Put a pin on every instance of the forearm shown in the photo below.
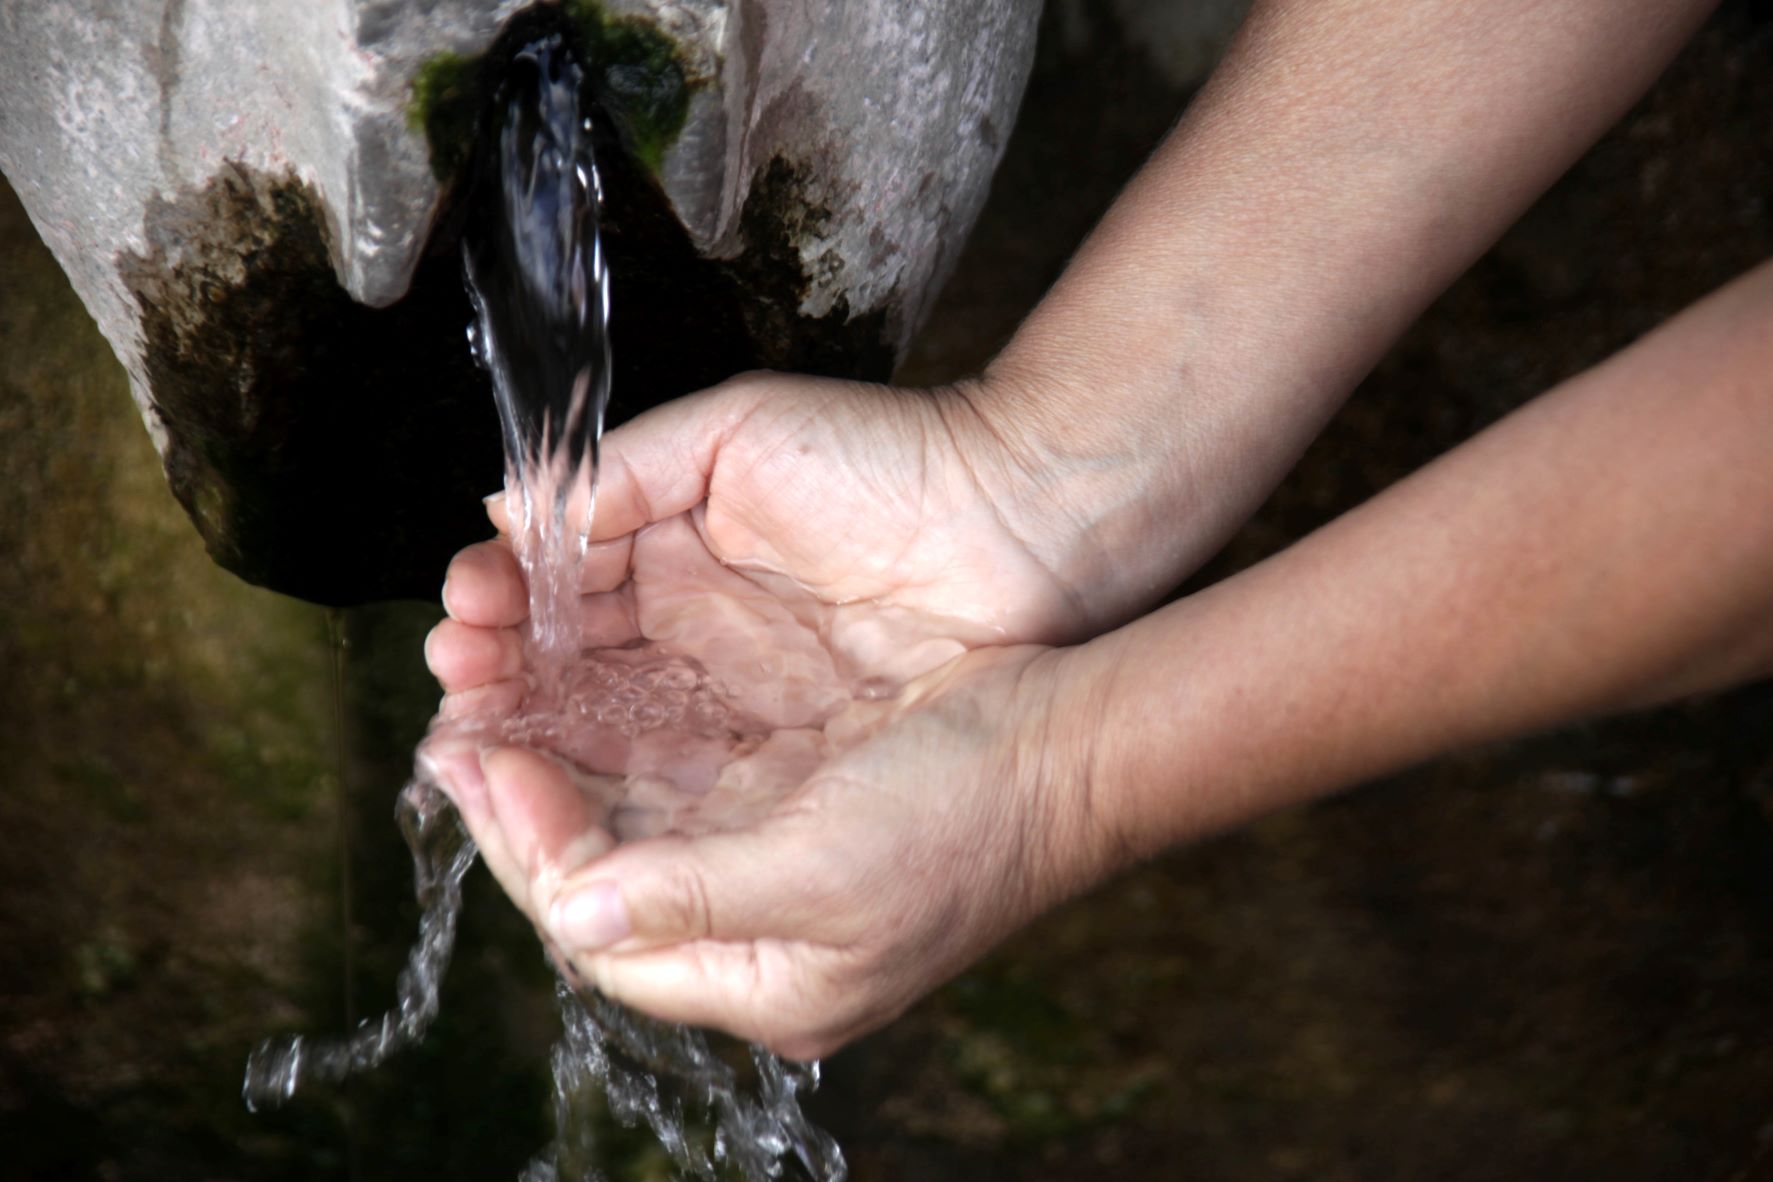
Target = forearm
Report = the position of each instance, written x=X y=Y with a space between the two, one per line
x=1345 y=163
x=1607 y=547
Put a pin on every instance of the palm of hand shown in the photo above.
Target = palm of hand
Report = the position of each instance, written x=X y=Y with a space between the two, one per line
x=704 y=694
x=841 y=557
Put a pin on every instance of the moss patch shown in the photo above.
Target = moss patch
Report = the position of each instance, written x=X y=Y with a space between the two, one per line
x=639 y=75
x=643 y=75
x=446 y=100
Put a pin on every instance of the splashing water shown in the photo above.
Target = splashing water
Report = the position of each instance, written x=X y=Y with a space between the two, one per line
x=539 y=284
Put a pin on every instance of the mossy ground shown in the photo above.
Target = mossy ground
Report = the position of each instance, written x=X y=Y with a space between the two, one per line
x=1544 y=962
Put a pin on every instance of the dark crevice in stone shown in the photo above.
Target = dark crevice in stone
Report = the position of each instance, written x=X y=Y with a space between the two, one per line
x=324 y=449
x=680 y=322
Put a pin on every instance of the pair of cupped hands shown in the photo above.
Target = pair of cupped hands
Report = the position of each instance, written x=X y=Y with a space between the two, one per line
x=898 y=860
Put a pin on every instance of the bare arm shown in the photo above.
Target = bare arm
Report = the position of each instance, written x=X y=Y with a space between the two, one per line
x=1607 y=547
x=1345 y=163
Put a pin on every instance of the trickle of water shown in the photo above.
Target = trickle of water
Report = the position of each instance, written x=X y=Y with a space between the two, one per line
x=539 y=284
x=442 y=856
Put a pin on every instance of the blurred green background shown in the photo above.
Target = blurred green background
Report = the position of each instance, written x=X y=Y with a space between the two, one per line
x=1548 y=960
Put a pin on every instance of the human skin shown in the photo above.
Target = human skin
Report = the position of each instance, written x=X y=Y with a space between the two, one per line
x=1607 y=547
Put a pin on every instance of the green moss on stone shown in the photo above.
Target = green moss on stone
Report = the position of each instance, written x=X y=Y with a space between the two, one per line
x=644 y=77
x=446 y=99
x=640 y=74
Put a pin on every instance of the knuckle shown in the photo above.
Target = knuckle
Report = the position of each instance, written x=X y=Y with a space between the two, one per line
x=752 y=380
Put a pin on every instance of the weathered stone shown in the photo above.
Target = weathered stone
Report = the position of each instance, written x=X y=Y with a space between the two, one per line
x=243 y=198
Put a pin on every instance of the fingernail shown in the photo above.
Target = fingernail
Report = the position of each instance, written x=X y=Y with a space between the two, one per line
x=443 y=596
x=489 y=498
x=592 y=918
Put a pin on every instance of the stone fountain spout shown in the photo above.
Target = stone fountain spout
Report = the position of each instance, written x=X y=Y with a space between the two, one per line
x=255 y=204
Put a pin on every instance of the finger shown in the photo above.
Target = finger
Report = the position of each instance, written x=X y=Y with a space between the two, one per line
x=783 y=996
x=499 y=513
x=484 y=587
x=495 y=700
x=607 y=564
x=548 y=824
x=605 y=567
x=455 y=766
x=658 y=464
x=499 y=509
x=464 y=658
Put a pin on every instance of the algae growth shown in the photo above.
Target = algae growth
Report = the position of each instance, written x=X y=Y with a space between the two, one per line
x=639 y=73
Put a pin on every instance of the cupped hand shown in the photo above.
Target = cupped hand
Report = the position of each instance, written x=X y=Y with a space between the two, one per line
x=891 y=867
x=874 y=840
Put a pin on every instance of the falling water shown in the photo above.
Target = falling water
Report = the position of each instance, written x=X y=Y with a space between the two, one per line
x=539 y=284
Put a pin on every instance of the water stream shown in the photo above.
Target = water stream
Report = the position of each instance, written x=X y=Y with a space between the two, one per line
x=539 y=284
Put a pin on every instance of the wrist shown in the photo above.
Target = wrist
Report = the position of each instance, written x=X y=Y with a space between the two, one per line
x=1092 y=830
x=1106 y=502
x=1199 y=718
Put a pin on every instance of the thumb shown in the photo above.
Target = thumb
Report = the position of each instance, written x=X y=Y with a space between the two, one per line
x=546 y=824
x=765 y=881
x=658 y=464
x=799 y=1000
